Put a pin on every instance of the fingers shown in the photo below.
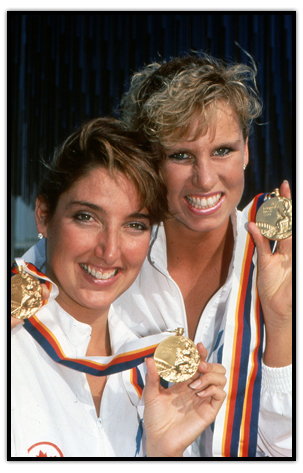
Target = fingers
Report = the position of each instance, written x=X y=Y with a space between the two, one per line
x=215 y=378
x=15 y=322
x=285 y=190
x=45 y=292
x=216 y=394
x=205 y=367
x=262 y=243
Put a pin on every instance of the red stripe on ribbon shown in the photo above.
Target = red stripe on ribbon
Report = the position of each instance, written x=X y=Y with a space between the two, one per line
x=239 y=336
x=123 y=358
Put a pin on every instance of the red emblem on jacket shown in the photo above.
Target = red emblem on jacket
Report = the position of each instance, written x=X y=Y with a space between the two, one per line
x=44 y=449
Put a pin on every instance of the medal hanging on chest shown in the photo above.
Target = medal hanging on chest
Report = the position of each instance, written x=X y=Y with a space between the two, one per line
x=177 y=358
x=26 y=294
x=274 y=217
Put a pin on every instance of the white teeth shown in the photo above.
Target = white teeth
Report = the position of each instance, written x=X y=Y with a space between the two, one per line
x=203 y=203
x=99 y=274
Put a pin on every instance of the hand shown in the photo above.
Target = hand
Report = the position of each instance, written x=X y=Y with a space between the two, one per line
x=175 y=417
x=274 y=284
x=45 y=295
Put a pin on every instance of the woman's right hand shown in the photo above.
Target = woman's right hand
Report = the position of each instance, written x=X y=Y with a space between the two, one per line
x=175 y=417
x=45 y=295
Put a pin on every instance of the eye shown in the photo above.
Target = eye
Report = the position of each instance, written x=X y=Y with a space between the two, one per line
x=222 y=152
x=181 y=156
x=139 y=226
x=83 y=217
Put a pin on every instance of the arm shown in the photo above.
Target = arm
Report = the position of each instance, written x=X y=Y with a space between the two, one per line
x=275 y=291
x=275 y=417
x=175 y=417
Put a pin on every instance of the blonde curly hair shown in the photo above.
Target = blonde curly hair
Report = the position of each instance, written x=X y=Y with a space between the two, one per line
x=164 y=97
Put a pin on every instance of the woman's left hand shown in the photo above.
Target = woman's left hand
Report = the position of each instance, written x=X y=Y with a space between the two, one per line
x=275 y=291
x=175 y=417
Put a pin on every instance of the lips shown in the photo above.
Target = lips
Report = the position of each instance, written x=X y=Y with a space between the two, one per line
x=99 y=273
x=200 y=203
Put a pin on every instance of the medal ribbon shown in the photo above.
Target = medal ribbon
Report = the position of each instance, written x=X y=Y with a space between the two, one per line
x=243 y=400
x=128 y=357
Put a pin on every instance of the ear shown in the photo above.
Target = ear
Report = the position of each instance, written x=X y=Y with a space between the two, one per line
x=41 y=216
x=246 y=152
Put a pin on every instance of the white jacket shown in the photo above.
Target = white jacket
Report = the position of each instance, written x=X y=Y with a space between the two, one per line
x=53 y=413
x=154 y=303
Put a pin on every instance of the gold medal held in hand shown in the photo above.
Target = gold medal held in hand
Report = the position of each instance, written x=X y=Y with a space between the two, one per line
x=274 y=217
x=26 y=295
x=177 y=358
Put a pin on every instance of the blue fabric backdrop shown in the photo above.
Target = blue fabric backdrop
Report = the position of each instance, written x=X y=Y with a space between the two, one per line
x=65 y=67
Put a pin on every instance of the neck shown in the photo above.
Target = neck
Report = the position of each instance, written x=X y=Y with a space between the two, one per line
x=100 y=340
x=188 y=247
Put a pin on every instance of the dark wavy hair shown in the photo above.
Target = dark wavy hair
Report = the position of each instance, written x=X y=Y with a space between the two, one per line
x=106 y=143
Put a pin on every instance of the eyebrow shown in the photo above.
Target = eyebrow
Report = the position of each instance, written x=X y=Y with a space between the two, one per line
x=97 y=208
x=178 y=148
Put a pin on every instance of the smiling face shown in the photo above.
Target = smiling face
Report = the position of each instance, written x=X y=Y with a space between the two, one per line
x=97 y=241
x=205 y=177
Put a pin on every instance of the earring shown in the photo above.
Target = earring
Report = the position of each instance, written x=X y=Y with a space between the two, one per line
x=40 y=236
x=244 y=167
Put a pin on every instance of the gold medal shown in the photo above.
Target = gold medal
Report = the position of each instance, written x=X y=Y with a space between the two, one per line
x=274 y=217
x=177 y=358
x=26 y=295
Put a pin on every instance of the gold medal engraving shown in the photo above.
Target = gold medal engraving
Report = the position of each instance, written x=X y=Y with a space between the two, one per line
x=177 y=358
x=274 y=217
x=26 y=295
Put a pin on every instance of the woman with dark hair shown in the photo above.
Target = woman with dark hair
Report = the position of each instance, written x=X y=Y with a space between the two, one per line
x=204 y=271
x=77 y=369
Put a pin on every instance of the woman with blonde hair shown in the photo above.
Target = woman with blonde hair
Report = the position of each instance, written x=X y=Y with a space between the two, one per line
x=204 y=271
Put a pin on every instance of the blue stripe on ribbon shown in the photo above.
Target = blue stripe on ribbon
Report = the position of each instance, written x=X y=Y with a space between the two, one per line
x=245 y=351
x=139 y=379
x=245 y=354
x=252 y=448
x=48 y=348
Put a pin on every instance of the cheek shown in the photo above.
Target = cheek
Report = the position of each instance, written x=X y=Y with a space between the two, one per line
x=63 y=244
x=175 y=176
x=136 y=252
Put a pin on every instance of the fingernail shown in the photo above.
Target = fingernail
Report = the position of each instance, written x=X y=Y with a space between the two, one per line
x=285 y=180
x=195 y=384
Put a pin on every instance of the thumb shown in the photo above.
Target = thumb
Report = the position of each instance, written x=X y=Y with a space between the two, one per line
x=45 y=292
x=262 y=243
x=202 y=351
x=152 y=380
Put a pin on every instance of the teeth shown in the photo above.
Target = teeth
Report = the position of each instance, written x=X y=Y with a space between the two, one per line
x=203 y=203
x=99 y=274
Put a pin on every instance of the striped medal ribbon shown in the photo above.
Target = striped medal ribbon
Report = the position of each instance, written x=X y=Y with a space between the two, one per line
x=130 y=355
x=244 y=339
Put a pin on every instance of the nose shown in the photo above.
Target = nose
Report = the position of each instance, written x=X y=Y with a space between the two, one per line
x=204 y=174
x=108 y=247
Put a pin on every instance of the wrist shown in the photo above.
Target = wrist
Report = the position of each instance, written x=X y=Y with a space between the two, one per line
x=156 y=450
x=278 y=348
